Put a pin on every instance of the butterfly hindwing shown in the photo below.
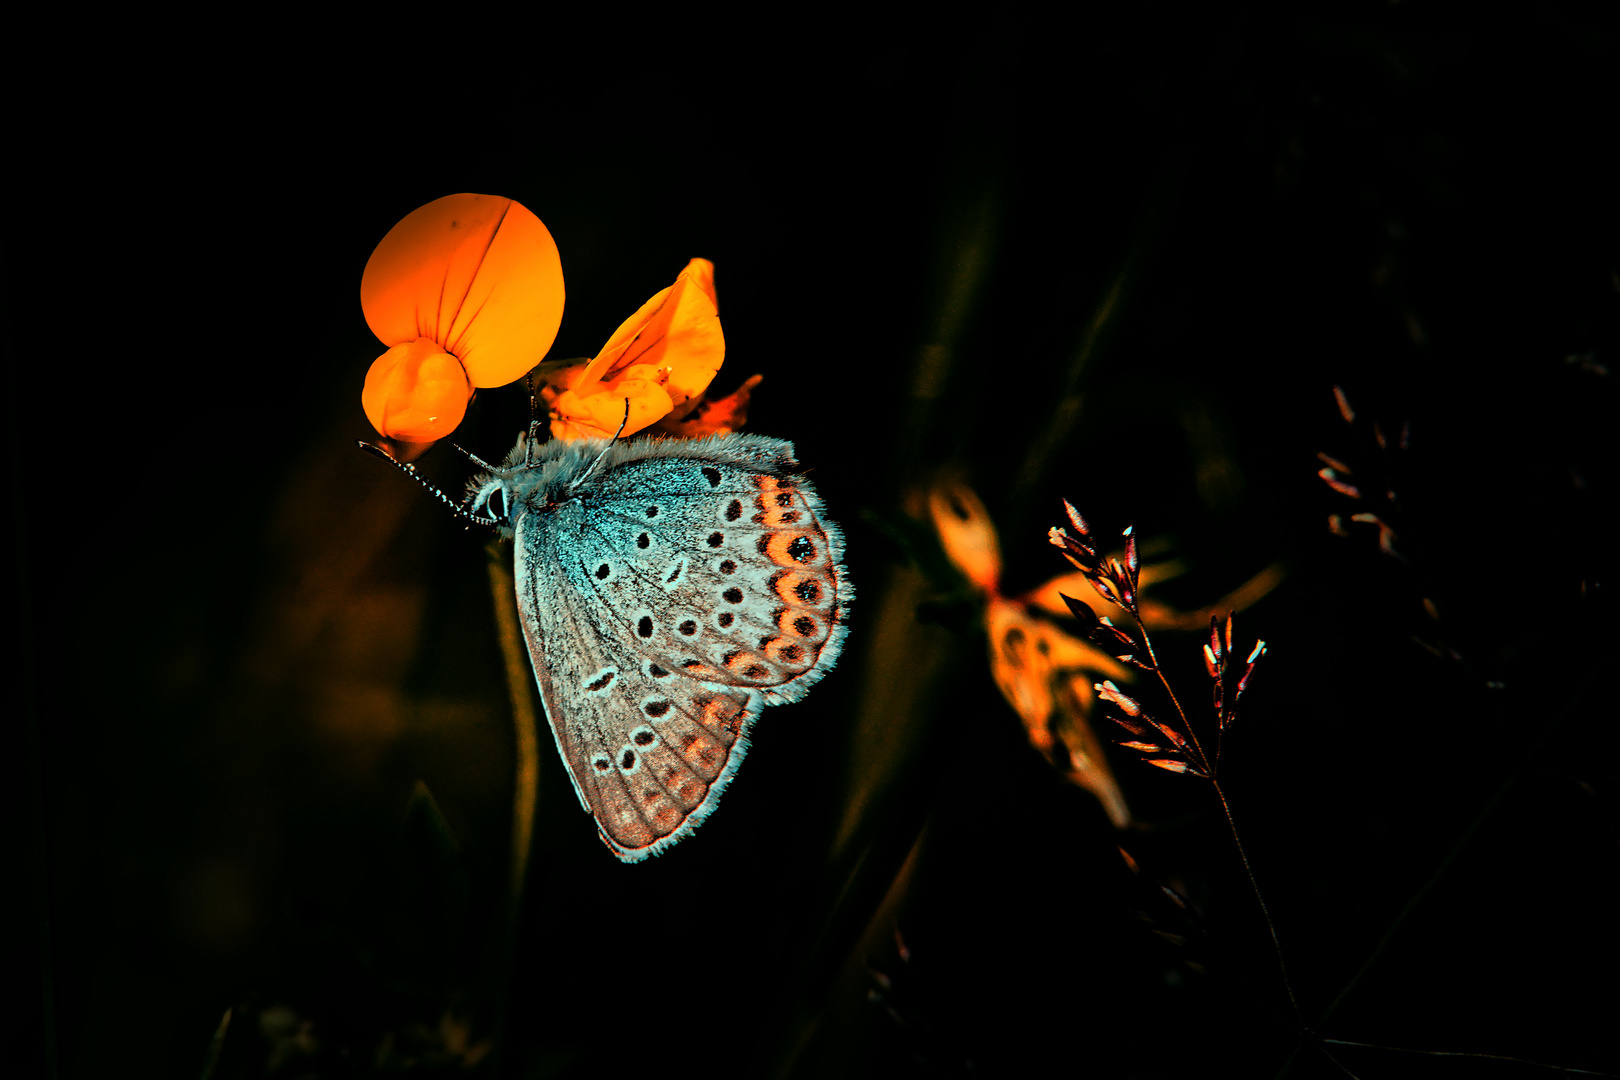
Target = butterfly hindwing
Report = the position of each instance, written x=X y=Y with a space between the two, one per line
x=647 y=749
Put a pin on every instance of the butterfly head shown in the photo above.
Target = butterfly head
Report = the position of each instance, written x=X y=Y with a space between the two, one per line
x=489 y=497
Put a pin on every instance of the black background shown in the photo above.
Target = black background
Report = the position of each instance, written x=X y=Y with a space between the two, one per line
x=244 y=642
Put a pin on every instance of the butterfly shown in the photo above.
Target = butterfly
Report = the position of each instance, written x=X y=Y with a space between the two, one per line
x=669 y=590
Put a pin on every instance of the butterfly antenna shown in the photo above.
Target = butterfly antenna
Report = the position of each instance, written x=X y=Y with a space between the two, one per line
x=534 y=422
x=410 y=471
x=586 y=475
x=468 y=454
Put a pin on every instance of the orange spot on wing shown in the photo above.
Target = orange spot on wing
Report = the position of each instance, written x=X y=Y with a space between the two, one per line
x=741 y=663
x=780 y=548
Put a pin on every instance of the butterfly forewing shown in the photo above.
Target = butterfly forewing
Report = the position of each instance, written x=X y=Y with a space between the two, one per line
x=667 y=598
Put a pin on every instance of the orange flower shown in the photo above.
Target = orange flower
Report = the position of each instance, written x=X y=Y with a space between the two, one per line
x=467 y=292
x=660 y=360
x=1045 y=674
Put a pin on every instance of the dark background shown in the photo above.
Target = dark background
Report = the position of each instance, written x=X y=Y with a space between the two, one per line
x=243 y=643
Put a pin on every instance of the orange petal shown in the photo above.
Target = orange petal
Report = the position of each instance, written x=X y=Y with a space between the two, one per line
x=679 y=328
x=415 y=392
x=478 y=274
x=1066 y=652
x=1021 y=672
x=576 y=416
x=673 y=345
x=966 y=533
x=1157 y=615
x=1033 y=663
x=720 y=416
x=1088 y=764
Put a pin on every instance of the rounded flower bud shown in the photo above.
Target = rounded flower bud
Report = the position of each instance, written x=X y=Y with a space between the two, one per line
x=415 y=392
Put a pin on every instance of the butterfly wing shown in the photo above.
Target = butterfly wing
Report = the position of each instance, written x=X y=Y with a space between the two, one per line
x=642 y=782
x=682 y=590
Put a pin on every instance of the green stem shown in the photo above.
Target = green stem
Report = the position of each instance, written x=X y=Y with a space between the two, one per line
x=526 y=785
x=215 y=1045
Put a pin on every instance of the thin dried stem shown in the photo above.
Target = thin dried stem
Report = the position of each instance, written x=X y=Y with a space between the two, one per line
x=1259 y=898
x=1186 y=725
x=1120 y=584
x=1456 y=849
x=1469 y=1054
x=1231 y=822
x=1342 y=1067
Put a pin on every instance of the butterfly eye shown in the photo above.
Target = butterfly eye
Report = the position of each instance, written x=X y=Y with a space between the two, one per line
x=490 y=501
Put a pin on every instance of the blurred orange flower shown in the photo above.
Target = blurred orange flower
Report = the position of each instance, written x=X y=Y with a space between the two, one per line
x=660 y=360
x=467 y=292
x=1046 y=674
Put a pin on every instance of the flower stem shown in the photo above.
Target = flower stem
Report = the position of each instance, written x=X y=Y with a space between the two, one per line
x=526 y=783
x=518 y=680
